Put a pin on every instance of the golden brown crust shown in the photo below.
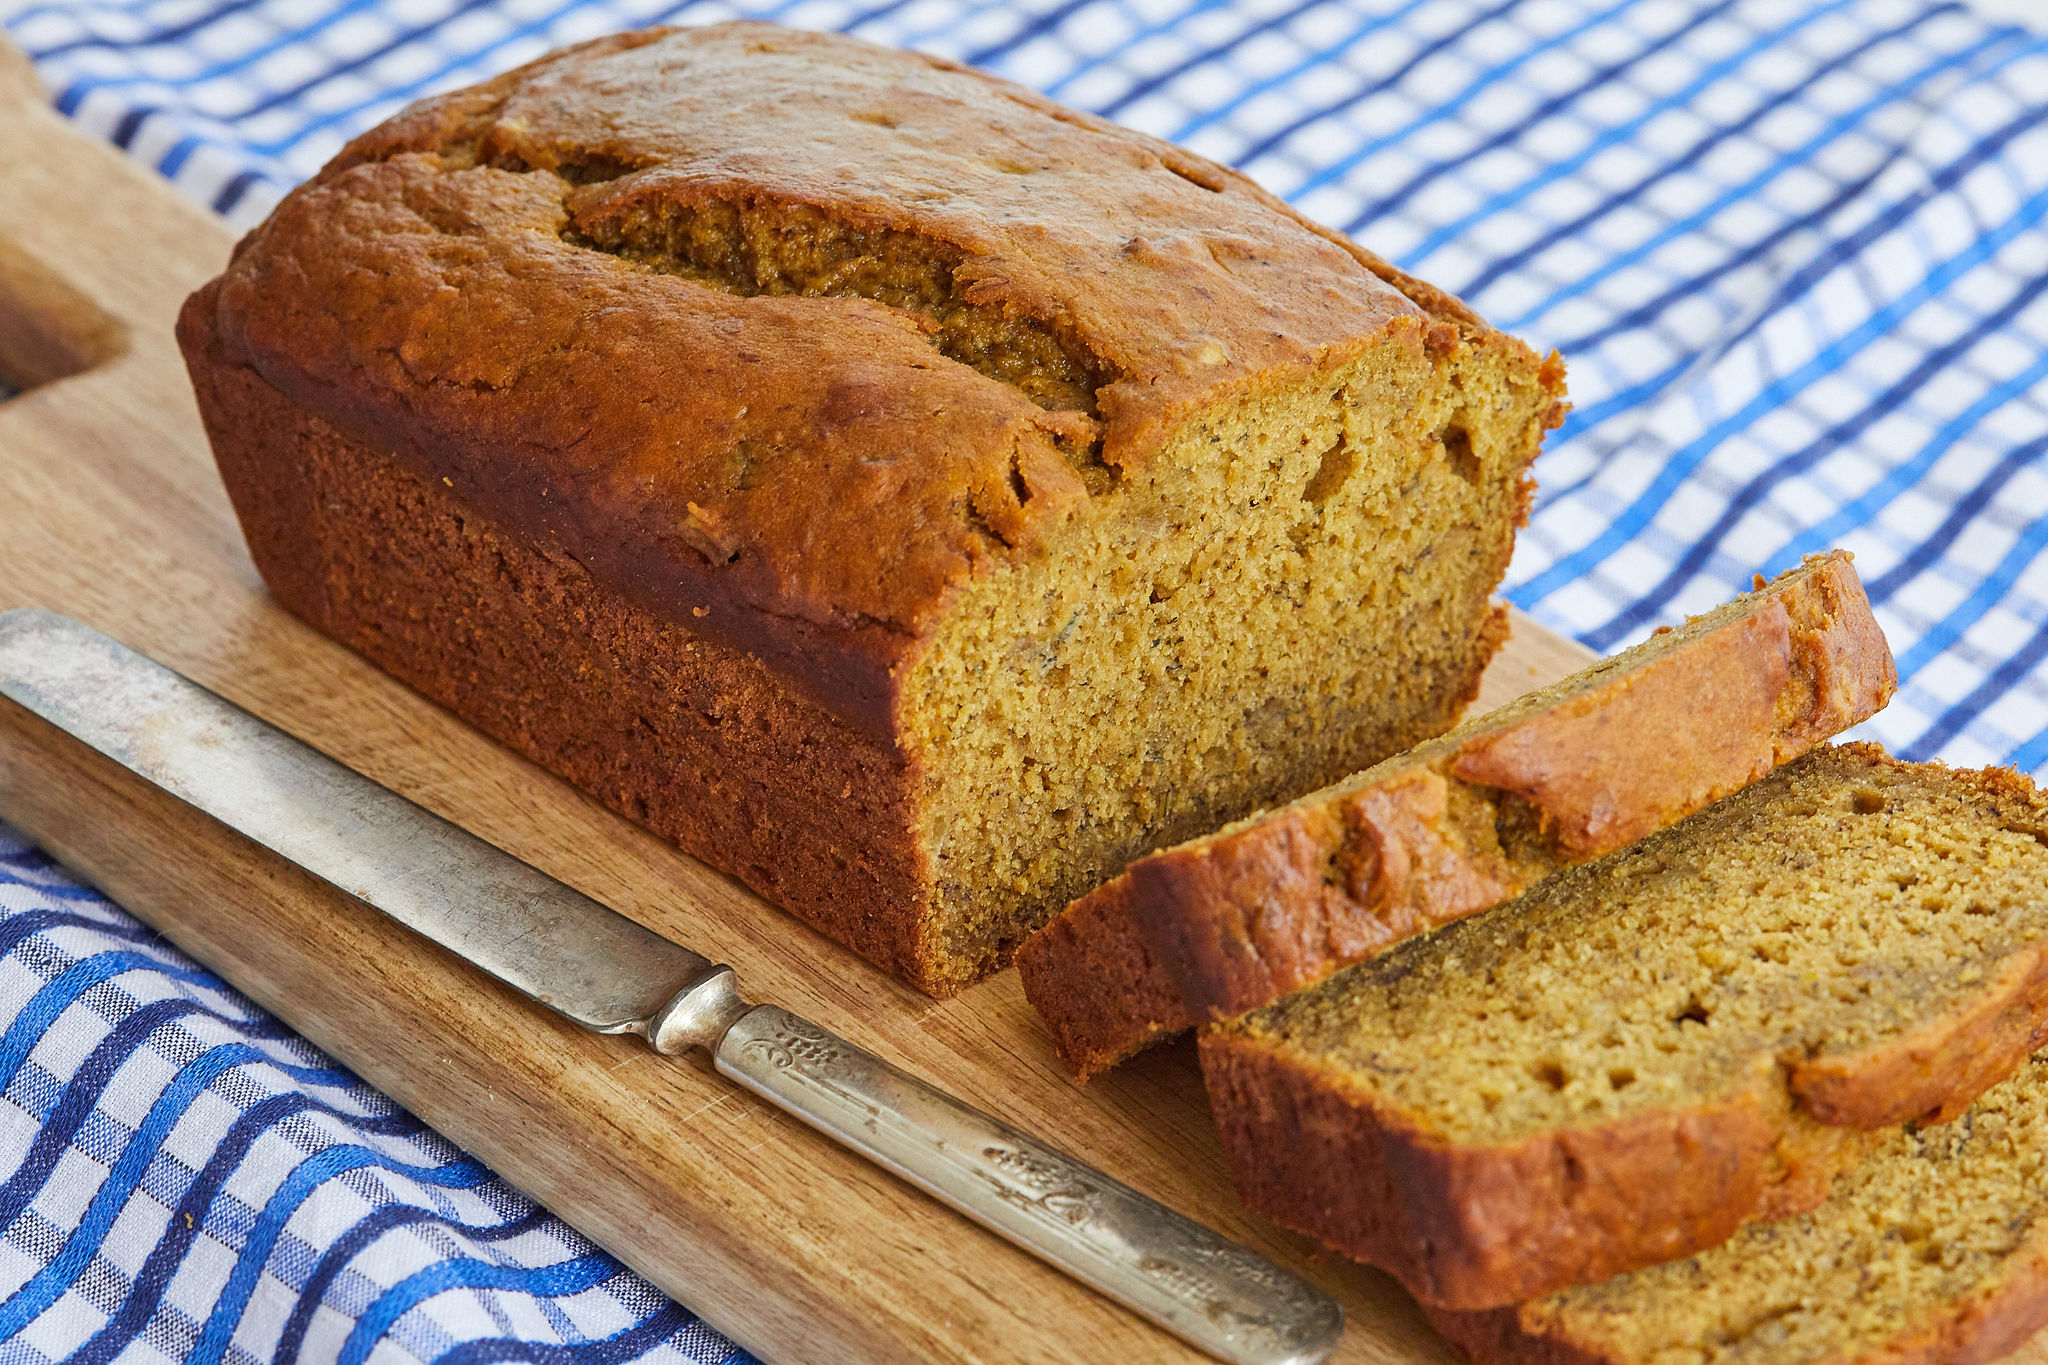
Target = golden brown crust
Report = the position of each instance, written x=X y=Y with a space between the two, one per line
x=652 y=720
x=1614 y=763
x=1236 y=920
x=1982 y=1327
x=460 y=288
x=1933 y=1073
x=1971 y=1330
x=1098 y=940
x=1841 y=662
x=1477 y=1227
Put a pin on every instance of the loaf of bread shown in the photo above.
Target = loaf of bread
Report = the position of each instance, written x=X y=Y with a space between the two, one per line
x=911 y=496
x=1933 y=1251
x=1641 y=1054
x=1236 y=919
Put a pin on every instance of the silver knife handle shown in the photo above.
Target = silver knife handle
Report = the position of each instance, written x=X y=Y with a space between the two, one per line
x=1216 y=1295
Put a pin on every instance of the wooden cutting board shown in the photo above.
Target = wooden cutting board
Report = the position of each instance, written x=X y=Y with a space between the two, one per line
x=110 y=511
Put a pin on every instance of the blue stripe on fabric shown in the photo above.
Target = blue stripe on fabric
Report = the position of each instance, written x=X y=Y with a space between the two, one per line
x=346 y=1247
x=16 y=929
x=173 y=161
x=239 y=184
x=1097 y=60
x=53 y=999
x=387 y=93
x=307 y=1177
x=287 y=38
x=1607 y=138
x=624 y=1345
x=46 y=1285
x=169 y=1252
x=77 y=1100
x=130 y=123
x=168 y=34
x=1042 y=24
x=80 y=1096
x=32 y=856
x=1852 y=121
x=1372 y=24
x=1799 y=281
x=16 y=1050
x=1953 y=721
x=1979 y=495
x=1629 y=523
x=564 y=1278
x=54 y=891
x=859 y=21
x=1555 y=104
x=1900 y=480
x=1686 y=159
x=1760 y=249
x=1981 y=599
x=2034 y=752
x=1433 y=113
x=1858 y=510
x=403 y=38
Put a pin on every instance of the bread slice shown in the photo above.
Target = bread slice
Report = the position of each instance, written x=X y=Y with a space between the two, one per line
x=1934 y=1251
x=1643 y=1053
x=1238 y=918
x=914 y=497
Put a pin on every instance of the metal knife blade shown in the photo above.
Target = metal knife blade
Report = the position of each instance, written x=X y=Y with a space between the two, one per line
x=608 y=973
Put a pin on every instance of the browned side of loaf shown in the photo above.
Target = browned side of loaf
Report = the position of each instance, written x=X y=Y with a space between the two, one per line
x=1097 y=939
x=691 y=738
x=1225 y=924
x=1971 y=1330
x=1480 y=1227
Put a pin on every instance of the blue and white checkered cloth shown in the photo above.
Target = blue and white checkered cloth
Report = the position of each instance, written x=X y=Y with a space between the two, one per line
x=188 y=1181
x=1793 y=250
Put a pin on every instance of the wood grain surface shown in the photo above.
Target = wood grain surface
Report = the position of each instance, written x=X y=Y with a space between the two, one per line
x=796 y=1249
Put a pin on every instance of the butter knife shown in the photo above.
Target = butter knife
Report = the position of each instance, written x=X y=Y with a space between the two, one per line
x=608 y=973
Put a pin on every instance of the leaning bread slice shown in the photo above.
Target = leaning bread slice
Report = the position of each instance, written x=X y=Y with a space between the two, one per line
x=1236 y=919
x=1934 y=1251
x=1641 y=1054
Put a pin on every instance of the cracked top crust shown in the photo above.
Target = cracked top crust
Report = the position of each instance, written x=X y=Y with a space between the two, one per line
x=783 y=334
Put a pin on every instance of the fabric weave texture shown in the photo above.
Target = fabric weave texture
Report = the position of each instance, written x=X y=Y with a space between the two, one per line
x=188 y=1180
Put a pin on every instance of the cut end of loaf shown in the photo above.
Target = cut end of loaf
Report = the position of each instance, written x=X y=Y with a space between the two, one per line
x=1233 y=920
x=1297 y=586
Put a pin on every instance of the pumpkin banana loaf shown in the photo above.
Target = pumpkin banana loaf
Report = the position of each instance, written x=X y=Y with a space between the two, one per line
x=913 y=497
x=1934 y=1251
x=1238 y=918
x=1641 y=1054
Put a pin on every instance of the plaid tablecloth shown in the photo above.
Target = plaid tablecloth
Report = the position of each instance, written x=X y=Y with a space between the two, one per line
x=1793 y=251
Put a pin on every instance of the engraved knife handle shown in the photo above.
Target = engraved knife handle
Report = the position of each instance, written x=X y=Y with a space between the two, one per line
x=1214 y=1294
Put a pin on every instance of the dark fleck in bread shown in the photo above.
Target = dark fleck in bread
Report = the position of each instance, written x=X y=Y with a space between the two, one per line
x=1934 y=1251
x=913 y=497
x=1643 y=1053
x=1236 y=919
